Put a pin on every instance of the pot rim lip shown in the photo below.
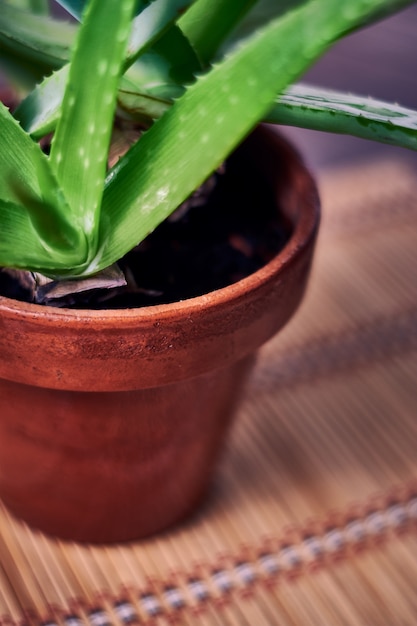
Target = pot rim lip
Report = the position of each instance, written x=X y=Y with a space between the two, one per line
x=304 y=229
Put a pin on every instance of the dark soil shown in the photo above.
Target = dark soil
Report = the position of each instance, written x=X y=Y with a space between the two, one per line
x=230 y=230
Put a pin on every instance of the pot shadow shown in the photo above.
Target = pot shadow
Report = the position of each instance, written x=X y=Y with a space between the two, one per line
x=315 y=447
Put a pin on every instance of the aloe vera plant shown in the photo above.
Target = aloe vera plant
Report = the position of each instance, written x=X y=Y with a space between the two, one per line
x=197 y=75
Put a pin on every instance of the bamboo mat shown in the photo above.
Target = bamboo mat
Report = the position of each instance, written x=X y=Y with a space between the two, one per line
x=312 y=517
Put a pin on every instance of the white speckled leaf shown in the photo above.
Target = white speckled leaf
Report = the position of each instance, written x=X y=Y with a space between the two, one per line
x=30 y=201
x=332 y=111
x=202 y=128
x=80 y=145
x=39 y=111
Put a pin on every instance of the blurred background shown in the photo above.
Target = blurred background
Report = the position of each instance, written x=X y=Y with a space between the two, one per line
x=380 y=61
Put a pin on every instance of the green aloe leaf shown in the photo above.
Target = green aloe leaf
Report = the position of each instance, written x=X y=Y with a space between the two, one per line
x=167 y=68
x=39 y=112
x=146 y=91
x=330 y=111
x=80 y=145
x=262 y=12
x=157 y=19
x=171 y=63
x=143 y=105
x=35 y=39
x=313 y=108
x=35 y=6
x=37 y=230
x=159 y=76
x=202 y=128
x=20 y=160
x=22 y=246
x=39 y=6
x=207 y=24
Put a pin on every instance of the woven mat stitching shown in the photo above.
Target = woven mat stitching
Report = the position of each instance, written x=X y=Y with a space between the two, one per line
x=297 y=551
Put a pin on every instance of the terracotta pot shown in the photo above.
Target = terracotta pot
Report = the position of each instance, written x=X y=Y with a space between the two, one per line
x=111 y=422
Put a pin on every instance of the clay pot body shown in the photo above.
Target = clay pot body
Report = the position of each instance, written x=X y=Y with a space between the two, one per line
x=111 y=421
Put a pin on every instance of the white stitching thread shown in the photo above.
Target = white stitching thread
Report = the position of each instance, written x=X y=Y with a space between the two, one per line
x=286 y=558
